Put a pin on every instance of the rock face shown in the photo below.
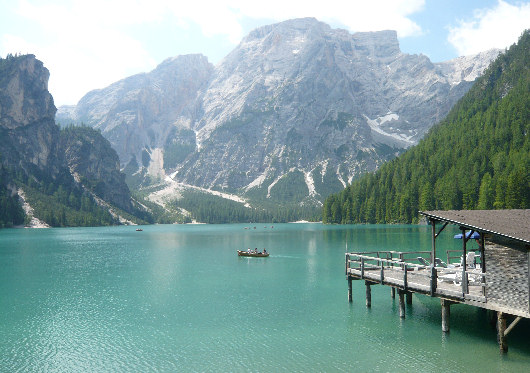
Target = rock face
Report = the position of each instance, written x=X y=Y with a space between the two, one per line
x=27 y=116
x=91 y=159
x=34 y=151
x=296 y=106
x=139 y=112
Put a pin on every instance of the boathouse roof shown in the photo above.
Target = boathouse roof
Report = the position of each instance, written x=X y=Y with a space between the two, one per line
x=514 y=224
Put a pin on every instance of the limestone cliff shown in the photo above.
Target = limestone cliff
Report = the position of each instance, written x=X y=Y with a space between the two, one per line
x=93 y=162
x=27 y=116
x=51 y=170
x=297 y=106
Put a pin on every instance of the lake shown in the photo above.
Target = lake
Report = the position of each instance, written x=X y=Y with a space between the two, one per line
x=178 y=298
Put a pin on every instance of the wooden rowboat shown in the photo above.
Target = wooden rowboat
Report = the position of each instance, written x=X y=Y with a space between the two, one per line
x=252 y=254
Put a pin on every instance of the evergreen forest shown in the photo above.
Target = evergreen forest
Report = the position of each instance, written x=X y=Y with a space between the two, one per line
x=478 y=157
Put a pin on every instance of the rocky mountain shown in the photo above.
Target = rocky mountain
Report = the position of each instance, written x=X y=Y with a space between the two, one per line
x=68 y=177
x=140 y=112
x=92 y=162
x=27 y=117
x=476 y=158
x=296 y=111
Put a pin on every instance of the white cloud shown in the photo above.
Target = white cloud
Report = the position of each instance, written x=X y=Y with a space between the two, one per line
x=84 y=44
x=498 y=27
x=356 y=15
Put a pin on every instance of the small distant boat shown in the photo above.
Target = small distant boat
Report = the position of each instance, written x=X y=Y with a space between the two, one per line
x=139 y=229
x=252 y=254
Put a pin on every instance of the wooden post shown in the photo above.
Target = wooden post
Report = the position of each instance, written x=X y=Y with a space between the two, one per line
x=446 y=313
x=464 y=264
x=368 y=294
x=434 y=280
x=405 y=281
x=401 y=304
x=409 y=297
x=393 y=292
x=501 y=328
x=362 y=267
x=433 y=240
x=350 y=295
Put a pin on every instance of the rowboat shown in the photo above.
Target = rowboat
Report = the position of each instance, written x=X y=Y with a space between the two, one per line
x=252 y=254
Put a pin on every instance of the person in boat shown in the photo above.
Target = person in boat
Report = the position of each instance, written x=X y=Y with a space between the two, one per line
x=264 y=251
x=256 y=250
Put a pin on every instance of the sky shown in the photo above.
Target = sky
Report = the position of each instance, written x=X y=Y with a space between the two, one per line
x=89 y=44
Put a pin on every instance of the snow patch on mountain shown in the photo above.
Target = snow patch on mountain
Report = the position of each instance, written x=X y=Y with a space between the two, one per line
x=376 y=126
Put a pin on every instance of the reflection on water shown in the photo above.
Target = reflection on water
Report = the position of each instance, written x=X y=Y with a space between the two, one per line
x=178 y=298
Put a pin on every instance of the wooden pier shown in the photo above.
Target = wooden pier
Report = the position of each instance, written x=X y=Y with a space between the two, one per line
x=504 y=247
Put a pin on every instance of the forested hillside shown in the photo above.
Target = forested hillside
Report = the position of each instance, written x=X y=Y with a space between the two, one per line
x=478 y=157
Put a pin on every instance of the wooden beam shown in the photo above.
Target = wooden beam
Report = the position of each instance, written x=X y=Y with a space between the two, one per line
x=464 y=264
x=446 y=313
x=433 y=240
x=441 y=230
x=434 y=280
x=512 y=325
x=501 y=329
x=350 y=295
x=401 y=294
x=368 y=294
x=409 y=297
x=393 y=292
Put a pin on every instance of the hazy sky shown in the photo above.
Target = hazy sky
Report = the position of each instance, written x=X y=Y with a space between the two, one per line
x=89 y=44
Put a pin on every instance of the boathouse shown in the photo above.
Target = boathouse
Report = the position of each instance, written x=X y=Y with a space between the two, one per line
x=495 y=277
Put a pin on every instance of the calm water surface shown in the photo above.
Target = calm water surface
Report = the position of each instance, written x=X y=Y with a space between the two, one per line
x=177 y=298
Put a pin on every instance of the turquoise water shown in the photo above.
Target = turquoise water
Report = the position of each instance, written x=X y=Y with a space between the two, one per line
x=177 y=298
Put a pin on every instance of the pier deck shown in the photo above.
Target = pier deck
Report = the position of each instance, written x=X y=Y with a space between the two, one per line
x=500 y=281
x=445 y=283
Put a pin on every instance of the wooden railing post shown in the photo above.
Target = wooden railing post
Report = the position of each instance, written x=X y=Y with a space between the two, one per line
x=382 y=272
x=405 y=284
x=434 y=280
x=362 y=268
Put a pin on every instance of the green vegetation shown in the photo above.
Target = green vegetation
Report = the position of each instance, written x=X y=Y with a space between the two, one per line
x=212 y=209
x=478 y=157
x=180 y=143
x=11 y=212
x=290 y=187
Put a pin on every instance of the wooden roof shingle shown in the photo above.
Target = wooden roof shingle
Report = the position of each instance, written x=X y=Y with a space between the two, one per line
x=514 y=224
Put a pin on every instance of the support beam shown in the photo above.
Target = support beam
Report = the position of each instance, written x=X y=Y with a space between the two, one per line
x=368 y=294
x=409 y=297
x=512 y=325
x=440 y=231
x=433 y=240
x=401 y=294
x=464 y=264
x=393 y=292
x=350 y=295
x=501 y=331
x=446 y=313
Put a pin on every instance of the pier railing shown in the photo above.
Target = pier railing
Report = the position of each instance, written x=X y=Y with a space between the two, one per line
x=397 y=269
